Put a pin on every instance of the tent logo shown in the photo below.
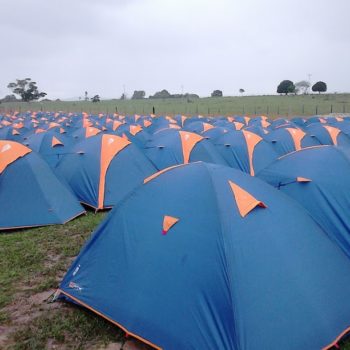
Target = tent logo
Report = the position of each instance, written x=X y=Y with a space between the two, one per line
x=76 y=270
x=75 y=286
x=5 y=148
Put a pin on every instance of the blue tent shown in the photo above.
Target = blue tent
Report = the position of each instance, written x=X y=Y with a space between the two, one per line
x=169 y=147
x=286 y=140
x=102 y=169
x=30 y=193
x=217 y=260
x=328 y=134
x=245 y=150
x=319 y=179
x=50 y=145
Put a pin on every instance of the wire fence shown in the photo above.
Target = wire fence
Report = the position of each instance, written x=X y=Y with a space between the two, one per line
x=179 y=108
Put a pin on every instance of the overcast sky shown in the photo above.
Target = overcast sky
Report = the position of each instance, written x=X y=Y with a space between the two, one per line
x=69 y=46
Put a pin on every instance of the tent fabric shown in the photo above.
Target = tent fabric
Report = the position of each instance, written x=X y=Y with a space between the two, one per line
x=30 y=193
x=319 y=179
x=269 y=280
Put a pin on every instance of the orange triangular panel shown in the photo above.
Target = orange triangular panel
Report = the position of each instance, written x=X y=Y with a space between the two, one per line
x=86 y=123
x=188 y=141
x=53 y=125
x=147 y=123
x=55 y=142
x=168 y=223
x=91 y=131
x=244 y=200
x=238 y=125
x=110 y=146
x=134 y=129
x=15 y=132
x=303 y=179
x=207 y=126
x=333 y=133
x=11 y=151
x=265 y=123
x=116 y=125
x=252 y=140
x=297 y=136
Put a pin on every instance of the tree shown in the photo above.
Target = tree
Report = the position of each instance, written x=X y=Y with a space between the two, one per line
x=161 y=94
x=319 y=87
x=86 y=98
x=27 y=89
x=123 y=96
x=95 y=99
x=138 y=95
x=302 y=86
x=216 y=93
x=285 y=87
x=9 y=98
x=241 y=91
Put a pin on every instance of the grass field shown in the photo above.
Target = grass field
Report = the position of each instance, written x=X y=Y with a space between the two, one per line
x=251 y=105
x=32 y=264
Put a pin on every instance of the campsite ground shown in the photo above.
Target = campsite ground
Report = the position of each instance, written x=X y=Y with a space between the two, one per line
x=32 y=264
x=271 y=105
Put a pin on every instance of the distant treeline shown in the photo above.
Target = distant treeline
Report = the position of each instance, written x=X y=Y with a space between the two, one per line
x=165 y=94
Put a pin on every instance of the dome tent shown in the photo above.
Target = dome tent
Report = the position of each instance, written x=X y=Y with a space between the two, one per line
x=286 y=140
x=239 y=272
x=50 y=145
x=30 y=193
x=245 y=151
x=102 y=169
x=169 y=147
x=319 y=179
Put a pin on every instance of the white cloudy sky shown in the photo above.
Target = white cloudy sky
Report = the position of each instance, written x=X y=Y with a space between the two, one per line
x=69 y=46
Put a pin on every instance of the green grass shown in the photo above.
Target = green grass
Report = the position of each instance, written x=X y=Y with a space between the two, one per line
x=270 y=105
x=31 y=260
x=74 y=327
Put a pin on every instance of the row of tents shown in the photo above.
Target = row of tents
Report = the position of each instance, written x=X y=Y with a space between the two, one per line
x=225 y=233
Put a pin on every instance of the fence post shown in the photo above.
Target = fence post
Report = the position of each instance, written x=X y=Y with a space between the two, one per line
x=243 y=110
x=303 y=110
x=278 y=110
x=316 y=109
x=331 y=108
x=344 y=108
